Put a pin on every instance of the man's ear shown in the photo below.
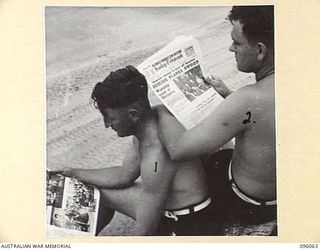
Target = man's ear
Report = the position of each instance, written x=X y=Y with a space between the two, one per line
x=262 y=51
x=134 y=114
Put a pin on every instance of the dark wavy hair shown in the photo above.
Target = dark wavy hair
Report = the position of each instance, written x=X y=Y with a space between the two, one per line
x=120 y=88
x=258 y=22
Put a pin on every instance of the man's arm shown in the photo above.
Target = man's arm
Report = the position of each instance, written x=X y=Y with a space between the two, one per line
x=157 y=174
x=112 y=177
x=221 y=126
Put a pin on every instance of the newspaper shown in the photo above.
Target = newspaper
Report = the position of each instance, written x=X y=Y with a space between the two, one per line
x=71 y=207
x=175 y=74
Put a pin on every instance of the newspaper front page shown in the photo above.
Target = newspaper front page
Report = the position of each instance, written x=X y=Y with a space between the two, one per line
x=71 y=207
x=175 y=74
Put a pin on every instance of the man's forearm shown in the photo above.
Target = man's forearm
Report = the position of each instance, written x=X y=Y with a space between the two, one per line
x=104 y=178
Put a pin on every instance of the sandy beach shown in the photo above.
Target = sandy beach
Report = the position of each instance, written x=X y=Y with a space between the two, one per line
x=84 y=44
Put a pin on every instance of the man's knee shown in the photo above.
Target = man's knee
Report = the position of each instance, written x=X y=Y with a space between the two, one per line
x=105 y=215
x=122 y=200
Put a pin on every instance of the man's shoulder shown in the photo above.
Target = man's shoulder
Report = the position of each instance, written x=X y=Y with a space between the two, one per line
x=242 y=97
x=247 y=90
x=250 y=93
x=151 y=140
x=260 y=92
x=253 y=97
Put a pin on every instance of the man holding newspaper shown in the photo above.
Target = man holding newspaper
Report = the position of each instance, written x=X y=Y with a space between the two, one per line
x=247 y=187
x=173 y=196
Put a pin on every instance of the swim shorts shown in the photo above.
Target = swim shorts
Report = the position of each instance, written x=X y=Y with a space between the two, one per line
x=227 y=205
x=190 y=221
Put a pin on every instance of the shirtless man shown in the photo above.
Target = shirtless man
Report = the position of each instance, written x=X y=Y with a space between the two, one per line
x=248 y=115
x=172 y=198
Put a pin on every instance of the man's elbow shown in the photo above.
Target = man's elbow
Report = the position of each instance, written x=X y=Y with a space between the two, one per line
x=121 y=183
x=175 y=154
x=125 y=183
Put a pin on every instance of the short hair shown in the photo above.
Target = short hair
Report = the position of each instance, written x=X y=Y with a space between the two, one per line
x=120 y=89
x=258 y=22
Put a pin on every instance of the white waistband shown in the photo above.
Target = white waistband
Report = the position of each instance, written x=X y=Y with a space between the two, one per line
x=243 y=196
x=172 y=214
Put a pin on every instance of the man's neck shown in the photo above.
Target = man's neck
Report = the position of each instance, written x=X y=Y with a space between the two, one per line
x=264 y=72
x=141 y=125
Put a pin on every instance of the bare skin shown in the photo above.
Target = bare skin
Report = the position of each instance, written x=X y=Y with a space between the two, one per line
x=164 y=184
x=255 y=172
x=188 y=184
x=253 y=162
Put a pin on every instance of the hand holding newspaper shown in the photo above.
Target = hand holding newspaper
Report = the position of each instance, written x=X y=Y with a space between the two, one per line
x=175 y=74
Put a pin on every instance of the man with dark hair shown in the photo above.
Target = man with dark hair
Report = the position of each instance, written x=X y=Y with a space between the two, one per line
x=247 y=187
x=172 y=197
x=257 y=22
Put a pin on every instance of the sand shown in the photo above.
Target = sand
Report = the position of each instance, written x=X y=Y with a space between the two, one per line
x=84 y=44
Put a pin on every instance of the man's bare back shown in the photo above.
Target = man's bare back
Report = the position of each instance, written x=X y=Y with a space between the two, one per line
x=254 y=157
